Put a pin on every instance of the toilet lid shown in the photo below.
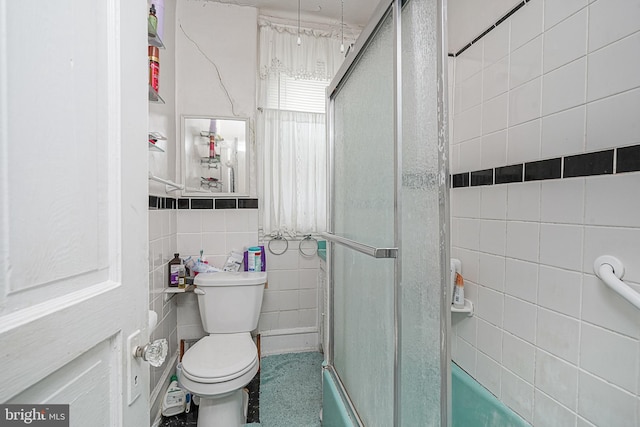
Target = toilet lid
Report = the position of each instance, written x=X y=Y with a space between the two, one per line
x=220 y=357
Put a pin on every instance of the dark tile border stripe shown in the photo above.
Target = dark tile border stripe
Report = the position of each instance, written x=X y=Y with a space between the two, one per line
x=599 y=163
x=183 y=203
x=224 y=203
x=483 y=177
x=160 y=203
x=247 y=203
x=544 y=169
x=627 y=159
x=201 y=203
x=507 y=174
x=460 y=180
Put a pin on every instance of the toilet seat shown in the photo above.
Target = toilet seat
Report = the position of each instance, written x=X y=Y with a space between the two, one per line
x=220 y=358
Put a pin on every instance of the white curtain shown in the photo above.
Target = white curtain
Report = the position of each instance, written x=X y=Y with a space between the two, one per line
x=295 y=172
x=291 y=134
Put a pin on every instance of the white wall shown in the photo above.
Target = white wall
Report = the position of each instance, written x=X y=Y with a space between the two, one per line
x=557 y=78
x=162 y=117
x=162 y=222
x=467 y=19
x=290 y=320
x=216 y=52
x=290 y=303
x=217 y=233
x=162 y=246
x=216 y=68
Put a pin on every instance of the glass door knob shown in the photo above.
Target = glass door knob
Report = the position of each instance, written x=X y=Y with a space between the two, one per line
x=155 y=353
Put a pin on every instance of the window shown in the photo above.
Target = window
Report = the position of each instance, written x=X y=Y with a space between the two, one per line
x=292 y=129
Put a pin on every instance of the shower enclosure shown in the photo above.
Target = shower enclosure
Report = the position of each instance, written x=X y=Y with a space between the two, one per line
x=388 y=358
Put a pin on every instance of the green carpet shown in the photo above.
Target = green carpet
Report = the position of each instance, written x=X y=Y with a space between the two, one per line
x=290 y=390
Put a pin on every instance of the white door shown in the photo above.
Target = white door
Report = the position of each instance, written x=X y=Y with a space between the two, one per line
x=73 y=207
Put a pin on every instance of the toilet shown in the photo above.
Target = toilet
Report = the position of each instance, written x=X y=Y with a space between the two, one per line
x=220 y=365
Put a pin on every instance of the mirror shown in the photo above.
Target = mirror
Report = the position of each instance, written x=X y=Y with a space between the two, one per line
x=214 y=156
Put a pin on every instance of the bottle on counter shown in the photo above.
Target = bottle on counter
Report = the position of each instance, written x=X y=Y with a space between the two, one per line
x=174 y=270
x=182 y=276
x=154 y=68
x=153 y=21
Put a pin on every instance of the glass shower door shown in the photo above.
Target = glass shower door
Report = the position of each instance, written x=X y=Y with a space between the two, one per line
x=388 y=221
x=363 y=211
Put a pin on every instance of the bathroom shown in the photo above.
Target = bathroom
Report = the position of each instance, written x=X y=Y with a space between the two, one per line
x=555 y=79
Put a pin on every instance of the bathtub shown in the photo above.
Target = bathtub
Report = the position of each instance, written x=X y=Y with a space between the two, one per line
x=473 y=405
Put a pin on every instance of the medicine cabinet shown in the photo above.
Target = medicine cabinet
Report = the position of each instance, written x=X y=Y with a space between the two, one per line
x=215 y=158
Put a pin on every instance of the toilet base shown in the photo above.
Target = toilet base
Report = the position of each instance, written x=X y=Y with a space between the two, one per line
x=229 y=410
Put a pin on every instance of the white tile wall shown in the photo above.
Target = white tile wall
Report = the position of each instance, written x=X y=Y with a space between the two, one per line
x=518 y=356
x=610 y=356
x=564 y=133
x=489 y=372
x=526 y=63
x=517 y=394
x=523 y=201
x=523 y=143
x=614 y=69
x=564 y=87
x=565 y=42
x=524 y=102
x=162 y=246
x=494 y=150
x=216 y=232
x=495 y=80
x=519 y=318
x=613 y=120
x=293 y=288
x=557 y=10
x=521 y=279
x=560 y=290
x=604 y=404
x=549 y=413
x=291 y=299
x=526 y=23
x=548 y=337
x=470 y=92
x=496 y=44
x=625 y=14
x=557 y=378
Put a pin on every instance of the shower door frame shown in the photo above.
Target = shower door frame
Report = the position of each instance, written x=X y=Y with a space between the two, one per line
x=384 y=8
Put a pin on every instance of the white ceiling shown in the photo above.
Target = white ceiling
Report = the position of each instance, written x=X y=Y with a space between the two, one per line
x=466 y=18
x=356 y=12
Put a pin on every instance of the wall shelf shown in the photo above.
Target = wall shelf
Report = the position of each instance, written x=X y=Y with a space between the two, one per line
x=154 y=147
x=154 y=40
x=189 y=288
x=154 y=96
x=468 y=308
x=157 y=136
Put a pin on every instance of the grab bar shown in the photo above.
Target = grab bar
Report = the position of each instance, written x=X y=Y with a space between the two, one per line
x=360 y=247
x=610 y=270
x=170 y=186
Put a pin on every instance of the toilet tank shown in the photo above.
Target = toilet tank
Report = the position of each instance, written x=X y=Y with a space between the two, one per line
x=230 y=302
